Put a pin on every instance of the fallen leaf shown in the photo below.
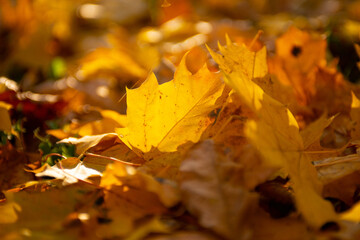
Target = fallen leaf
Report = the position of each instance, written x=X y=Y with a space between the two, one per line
x=275 y=132
x=230 y=121
x=70 y=170
x=131 y=195
x=87 y=142
x=158 y=115
x=313 y=131
x=212 y=192
x=118 y=151
x=339 y=176
x=300 y=49
x=10 y=158
x=42 y=208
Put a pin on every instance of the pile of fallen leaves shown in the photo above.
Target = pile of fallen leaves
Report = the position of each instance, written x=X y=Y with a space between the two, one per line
x=114 y=129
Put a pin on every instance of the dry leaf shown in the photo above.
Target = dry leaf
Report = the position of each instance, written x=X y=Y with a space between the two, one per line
x=87 y=142
x=340 y=176
x=275 y=133
x=70 y=170
x=313 y=131
x=42 y=208
x=159 y=115
x=130 y=196
x=212 y=192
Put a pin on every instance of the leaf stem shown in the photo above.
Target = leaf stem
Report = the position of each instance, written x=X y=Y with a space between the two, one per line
x=350 y=159
x=53 y=154
x=257 y=36
x=112 y=159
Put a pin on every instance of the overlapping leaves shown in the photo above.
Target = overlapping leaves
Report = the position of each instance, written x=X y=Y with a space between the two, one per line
x=275 y=133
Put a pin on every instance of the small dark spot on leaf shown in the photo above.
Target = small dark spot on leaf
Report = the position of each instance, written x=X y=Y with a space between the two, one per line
x=2 y=197
x=160 y=180
x=356 y=197
x=276 y=199
x=330 y=226
x=338 y=205
x=99 y=201
x=47 y=178
x=102 y=220
x=296 y=51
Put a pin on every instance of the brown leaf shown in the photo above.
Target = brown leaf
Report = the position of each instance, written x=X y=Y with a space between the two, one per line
x=131 y=195
x=12 y=164
x=212 y=193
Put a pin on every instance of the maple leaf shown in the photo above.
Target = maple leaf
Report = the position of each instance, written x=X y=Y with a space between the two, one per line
x=159 y=115
x=301 y=50
x=275 y=133
x=300 y=63
x=311 y=133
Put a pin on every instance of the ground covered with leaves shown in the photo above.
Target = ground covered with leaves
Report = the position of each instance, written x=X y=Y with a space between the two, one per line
x=179 y=119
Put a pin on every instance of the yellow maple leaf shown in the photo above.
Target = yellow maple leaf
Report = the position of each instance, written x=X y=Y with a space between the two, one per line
x=312 y=133
x=159 y=115
x=275 y=132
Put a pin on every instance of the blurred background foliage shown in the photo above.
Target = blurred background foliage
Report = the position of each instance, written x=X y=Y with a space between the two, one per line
x=121 y=41
x=86 y=52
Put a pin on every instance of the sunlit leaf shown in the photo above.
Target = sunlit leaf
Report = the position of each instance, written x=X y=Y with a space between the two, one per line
x=275 y=132
x=159 y=115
